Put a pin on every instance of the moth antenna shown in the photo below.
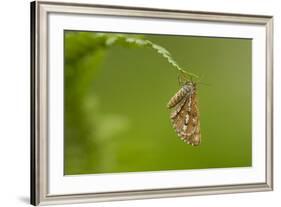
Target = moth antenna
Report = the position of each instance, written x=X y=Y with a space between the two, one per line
x=199 y=82
x=182 y=79
x=179 y=80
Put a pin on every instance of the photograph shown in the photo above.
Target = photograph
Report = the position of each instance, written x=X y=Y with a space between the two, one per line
x=138 y=103
x=149 y=102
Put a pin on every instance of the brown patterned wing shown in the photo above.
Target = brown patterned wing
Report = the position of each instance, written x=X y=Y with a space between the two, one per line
x=186 y=119
x=179 y=96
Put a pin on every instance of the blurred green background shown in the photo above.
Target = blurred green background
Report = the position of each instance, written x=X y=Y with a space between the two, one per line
x=115 y=117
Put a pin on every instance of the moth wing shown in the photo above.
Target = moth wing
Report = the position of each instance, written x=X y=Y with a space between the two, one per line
x=185 y=120
x=195 y=138
x=177 y=98
x=178 y=116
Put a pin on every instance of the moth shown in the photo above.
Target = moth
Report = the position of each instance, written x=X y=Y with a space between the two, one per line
x=185 y=116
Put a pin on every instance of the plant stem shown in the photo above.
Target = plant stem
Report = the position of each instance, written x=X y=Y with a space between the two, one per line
x=125 y=39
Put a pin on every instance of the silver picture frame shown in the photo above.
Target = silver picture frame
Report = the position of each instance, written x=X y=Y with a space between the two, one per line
x=39 y=101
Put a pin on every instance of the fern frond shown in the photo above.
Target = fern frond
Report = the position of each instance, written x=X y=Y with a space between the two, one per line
x=126 y=40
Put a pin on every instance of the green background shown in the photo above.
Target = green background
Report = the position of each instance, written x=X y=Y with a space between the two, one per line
x=115 y=99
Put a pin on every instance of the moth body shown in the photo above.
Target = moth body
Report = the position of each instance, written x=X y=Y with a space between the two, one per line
x=185 y=114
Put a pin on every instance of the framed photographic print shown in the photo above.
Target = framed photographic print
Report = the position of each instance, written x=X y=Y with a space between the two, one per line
x=134 y=103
